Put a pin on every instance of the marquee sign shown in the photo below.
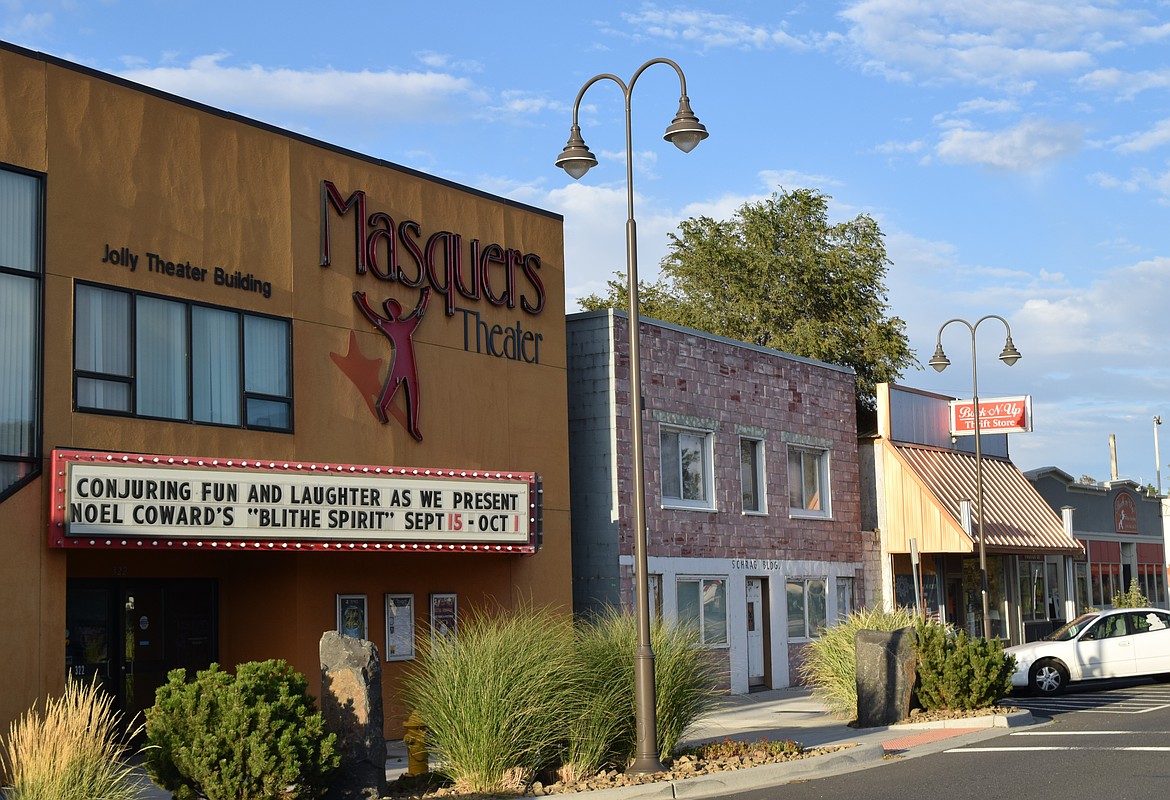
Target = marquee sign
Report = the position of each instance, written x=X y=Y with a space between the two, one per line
x=996 y=415
x=119 y=500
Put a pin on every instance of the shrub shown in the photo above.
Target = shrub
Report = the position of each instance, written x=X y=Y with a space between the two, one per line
x=959 y=672
x=830 y=661
x=604 y=730
x=1132 y=598
x=74 y=749
x=252 y=735
x=492 y=700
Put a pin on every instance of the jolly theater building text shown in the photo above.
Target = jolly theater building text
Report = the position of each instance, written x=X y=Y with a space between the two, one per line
x=259 y=388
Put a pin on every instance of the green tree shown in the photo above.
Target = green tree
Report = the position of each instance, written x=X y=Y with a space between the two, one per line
x=779 y=275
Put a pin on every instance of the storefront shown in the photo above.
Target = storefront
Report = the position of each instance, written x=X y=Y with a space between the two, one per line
x=1123 y=527
x=259 y=388
x=922 y=506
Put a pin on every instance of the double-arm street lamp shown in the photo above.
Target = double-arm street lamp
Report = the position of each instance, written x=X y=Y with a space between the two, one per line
x=685 y=132
x=939 y=361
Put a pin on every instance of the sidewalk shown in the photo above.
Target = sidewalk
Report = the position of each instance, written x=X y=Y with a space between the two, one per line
x=783 y=714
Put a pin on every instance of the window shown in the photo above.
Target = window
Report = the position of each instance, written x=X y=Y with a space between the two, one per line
x=808 y=482
x=20 y=327
x=703 y=602
x=686 y=468
x=807 y=614
x=751 y=475
x=844 y=598
x=155 y=357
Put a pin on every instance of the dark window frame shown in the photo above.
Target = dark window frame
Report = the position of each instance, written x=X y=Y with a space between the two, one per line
x=131 y=380
x=35 y=459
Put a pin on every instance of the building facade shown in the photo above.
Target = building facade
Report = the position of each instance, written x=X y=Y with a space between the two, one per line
x=922 y=520
x=750 y=481
x=1123 y=527
x=257 y=388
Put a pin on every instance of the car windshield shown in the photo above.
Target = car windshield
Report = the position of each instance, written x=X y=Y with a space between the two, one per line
x=1070 y=629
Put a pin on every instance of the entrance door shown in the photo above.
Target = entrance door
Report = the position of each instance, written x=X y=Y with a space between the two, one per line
x=128 y=634
x=757 y=634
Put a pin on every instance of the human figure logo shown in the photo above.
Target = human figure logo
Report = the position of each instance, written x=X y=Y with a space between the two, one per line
x=399 y=331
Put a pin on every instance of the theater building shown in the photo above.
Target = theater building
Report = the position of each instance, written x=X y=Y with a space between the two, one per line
x=751 y=485
x=257 y=387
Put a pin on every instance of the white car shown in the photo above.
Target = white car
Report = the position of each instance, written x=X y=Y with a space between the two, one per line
x=1118 y=643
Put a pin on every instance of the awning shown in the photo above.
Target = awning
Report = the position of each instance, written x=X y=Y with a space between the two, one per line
x=1016 y=519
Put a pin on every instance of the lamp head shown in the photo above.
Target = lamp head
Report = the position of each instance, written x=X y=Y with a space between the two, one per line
x=685 y=132
x=939 y=360
x=575 y=158
x=1010 y=354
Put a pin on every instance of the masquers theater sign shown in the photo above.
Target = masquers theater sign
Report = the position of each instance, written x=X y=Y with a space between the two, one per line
x=442 y=263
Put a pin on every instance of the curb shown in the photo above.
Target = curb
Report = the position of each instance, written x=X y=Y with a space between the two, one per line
x=721 y=784
x=1015 y=719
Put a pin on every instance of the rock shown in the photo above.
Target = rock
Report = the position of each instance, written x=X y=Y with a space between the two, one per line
x=351 y=703
x=885 y=676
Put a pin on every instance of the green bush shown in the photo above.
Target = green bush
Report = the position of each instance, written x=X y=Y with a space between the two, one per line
x=75 y=749
x=251 y=736
x=959 y=672
x=830 y=661
x=1132 y=598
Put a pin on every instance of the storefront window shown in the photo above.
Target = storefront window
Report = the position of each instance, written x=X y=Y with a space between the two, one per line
x=807 y=614
x=152 y=357
x=703 y=602
x=20 y=327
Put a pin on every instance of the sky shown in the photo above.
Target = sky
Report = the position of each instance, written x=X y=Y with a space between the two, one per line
x=1015 y=153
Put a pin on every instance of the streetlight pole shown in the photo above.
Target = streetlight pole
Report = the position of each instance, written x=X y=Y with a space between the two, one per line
x=685 y=132
x=939 y=361
x=1157 y=455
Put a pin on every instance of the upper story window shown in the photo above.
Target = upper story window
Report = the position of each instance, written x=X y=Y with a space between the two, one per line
x=155 y=357
x=687 y=478
x=808 y=482
x=20 y=327
x=751 y=475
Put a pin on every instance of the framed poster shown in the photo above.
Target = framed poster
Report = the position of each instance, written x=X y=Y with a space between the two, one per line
x=444 y=618
x=399 y=627
x=352 y=616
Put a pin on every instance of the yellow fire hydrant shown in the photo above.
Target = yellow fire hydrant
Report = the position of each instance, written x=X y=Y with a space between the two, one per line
x=415 y=739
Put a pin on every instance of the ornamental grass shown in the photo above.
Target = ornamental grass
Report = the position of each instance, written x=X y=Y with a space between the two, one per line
x=73 y=750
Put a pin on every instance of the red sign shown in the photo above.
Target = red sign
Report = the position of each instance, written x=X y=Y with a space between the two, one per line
x=996 y=415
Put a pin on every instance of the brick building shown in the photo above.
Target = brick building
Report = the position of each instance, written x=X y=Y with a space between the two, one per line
x=753 y=513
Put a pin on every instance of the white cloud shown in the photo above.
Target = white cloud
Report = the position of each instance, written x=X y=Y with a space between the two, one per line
x=1144 y=141
x=1028 y=146
x=387 y=95
x=1125 y=85
x=791 y=179
x=997 y=42
x=710 y=30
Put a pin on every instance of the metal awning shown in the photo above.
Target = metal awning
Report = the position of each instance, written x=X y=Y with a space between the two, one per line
x=1016 y=519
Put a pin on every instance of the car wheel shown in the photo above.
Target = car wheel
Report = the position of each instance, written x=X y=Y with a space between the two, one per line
x=1048 y=678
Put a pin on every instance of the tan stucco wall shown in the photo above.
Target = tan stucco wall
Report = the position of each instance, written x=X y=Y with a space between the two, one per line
x=127 y=168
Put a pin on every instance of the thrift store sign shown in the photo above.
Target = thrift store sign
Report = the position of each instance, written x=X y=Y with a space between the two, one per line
x=113 y=499
x=996 y=415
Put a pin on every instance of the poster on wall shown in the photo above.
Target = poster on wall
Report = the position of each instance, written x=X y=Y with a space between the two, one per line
x=351 y=615
x=399 y=627
x=443 y=616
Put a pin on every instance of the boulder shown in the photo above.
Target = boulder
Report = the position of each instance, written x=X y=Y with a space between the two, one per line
x=351 y=703
x=885 y=676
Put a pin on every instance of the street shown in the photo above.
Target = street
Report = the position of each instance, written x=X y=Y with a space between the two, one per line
x=1105 y=740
